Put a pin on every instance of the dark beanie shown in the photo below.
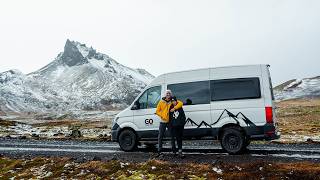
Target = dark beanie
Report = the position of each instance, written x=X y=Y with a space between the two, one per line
x=174 y=98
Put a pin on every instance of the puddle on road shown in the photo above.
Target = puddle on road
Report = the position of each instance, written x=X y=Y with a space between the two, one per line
x=300 y=156
x=58 y=150
x=62 y=145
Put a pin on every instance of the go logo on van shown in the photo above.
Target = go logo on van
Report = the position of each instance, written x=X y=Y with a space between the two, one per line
x=148 y=121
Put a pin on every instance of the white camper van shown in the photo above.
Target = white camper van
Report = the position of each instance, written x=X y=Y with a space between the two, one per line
x=232 y=104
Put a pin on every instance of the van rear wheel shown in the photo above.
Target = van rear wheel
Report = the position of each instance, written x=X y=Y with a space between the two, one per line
x=233 y=140
x=127 y=140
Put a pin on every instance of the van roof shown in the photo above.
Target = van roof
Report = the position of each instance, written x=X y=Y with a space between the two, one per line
x=214 y=68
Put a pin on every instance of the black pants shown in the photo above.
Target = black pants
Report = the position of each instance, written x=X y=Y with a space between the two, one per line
x=162 y=130
x=176 y=135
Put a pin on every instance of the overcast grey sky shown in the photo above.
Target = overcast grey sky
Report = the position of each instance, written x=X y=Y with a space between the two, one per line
x=166 y=35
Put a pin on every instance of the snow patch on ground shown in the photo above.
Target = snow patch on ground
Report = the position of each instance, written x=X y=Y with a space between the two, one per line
x=217 y=170
x=28 y=131
x=298 y=138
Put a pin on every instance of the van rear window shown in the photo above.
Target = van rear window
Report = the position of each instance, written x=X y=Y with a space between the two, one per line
x=233 y=89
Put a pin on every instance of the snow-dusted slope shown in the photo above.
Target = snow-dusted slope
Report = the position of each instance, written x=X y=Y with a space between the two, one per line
x=303 y=88
x=78 y=79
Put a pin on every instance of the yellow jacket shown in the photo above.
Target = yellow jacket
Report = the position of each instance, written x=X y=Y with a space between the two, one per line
x=163 y=109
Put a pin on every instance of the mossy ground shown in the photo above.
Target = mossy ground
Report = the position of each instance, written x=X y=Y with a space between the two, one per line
x=65 y=168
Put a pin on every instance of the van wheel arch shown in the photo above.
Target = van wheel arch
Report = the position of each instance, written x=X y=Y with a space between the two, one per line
x=230 y=125
x=128 y=128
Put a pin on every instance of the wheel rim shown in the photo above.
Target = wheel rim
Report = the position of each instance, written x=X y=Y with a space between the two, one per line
x=127 y=140
x=232 y=142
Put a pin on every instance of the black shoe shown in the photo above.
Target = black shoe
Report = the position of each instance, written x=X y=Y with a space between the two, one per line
x=181 y=155
x=159 y=154
x=174 y=153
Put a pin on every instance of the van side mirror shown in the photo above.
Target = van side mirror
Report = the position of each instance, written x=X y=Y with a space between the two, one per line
x=136 y=105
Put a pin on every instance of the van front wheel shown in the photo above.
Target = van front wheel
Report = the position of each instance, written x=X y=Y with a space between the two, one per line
x=233 y=140
x=127 y=140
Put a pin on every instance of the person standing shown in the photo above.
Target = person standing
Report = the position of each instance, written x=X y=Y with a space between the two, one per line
x=177 y=122
x=163 y=109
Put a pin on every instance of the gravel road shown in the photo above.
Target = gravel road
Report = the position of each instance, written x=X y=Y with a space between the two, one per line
x=196 y=151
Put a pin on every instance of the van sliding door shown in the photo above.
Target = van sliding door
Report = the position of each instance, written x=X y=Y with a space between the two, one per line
x=196 y=100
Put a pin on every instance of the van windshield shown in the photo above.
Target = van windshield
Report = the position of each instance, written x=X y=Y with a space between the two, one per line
x=150 y=98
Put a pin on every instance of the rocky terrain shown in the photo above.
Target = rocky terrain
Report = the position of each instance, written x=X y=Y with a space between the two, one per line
x=78 y=79
x=298 y=121
x=66 y=168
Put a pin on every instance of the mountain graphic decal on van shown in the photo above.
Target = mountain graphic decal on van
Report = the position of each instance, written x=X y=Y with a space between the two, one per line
x=240 y=115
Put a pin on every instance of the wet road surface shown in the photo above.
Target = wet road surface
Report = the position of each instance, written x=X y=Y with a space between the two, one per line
x=195 y=151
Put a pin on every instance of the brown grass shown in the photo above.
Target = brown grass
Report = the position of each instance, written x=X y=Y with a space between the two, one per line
x=7 y=123
x=300 y=117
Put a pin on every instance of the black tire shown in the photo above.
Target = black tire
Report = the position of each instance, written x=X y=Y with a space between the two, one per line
x=247 y=142
x=233 y=140
x=127 y=140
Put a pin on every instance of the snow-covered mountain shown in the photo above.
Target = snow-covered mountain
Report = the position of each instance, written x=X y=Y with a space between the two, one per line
x=80 y=78
x=298 y=88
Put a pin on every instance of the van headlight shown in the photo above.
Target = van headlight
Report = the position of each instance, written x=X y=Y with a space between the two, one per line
x=115 y=120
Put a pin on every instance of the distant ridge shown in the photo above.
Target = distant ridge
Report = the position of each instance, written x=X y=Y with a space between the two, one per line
x=298 y=88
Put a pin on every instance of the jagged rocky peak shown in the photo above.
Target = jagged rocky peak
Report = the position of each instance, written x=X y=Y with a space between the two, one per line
x=72 y=55
x=144 y=72
x=12 y=71
x=79 y=78
x=10 y=75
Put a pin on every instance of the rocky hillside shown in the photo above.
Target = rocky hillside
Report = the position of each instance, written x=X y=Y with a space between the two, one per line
x=298 y=88
x=79 y=78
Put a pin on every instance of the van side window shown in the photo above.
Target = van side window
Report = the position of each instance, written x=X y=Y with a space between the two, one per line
x=150 y=98
x=192 y=93
x=233 y=89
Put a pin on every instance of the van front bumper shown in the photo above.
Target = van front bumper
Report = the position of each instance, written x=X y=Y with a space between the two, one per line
x=115 y=132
